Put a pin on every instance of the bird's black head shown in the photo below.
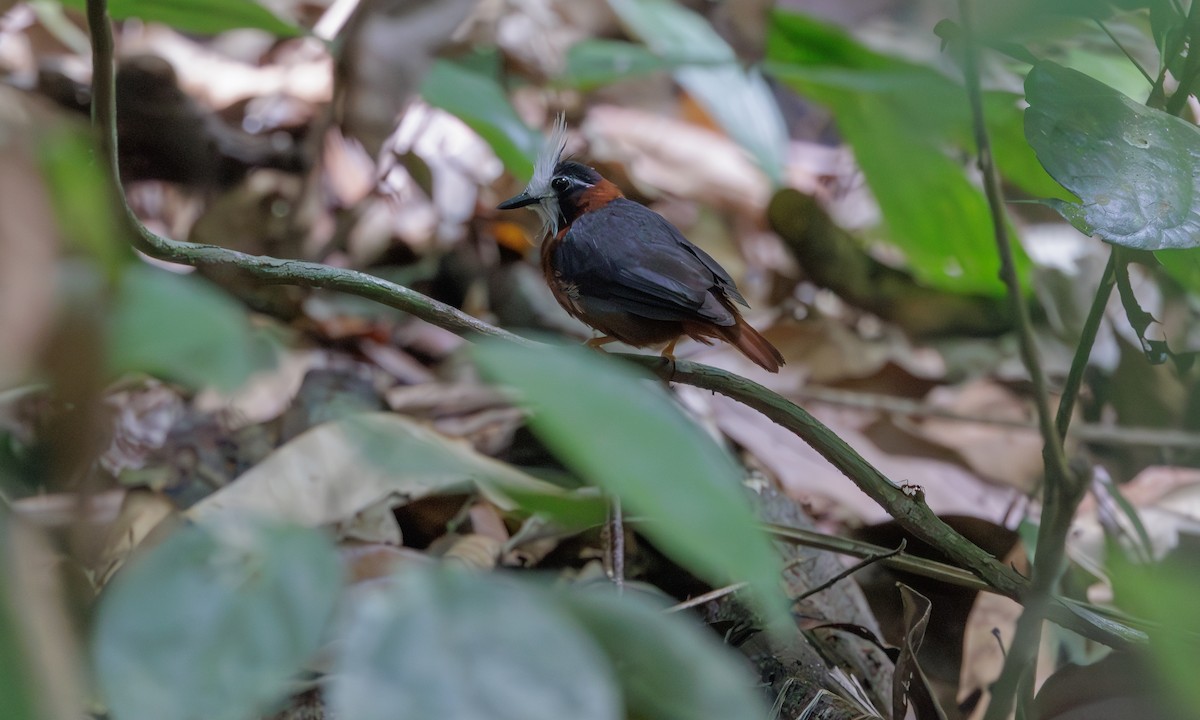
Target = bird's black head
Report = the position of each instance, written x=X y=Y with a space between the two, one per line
x=575 y=186
x=573 y=189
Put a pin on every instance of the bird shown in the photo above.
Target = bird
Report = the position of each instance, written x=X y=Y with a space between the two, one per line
x=626 y=271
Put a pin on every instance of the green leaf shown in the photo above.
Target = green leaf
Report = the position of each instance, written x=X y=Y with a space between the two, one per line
x=739 y=100
x=1165 y=595
x=592 y=63
x=583 y=508
x=903 y=120
x=618 y=429
x=1183 y=266
x=1132 y=167
x=214 y=622
x=18 y=687
x=181 y=328
x=204 y=17
x=440 y=642
x=669 y=667
x=84 y=202
x=480 y=102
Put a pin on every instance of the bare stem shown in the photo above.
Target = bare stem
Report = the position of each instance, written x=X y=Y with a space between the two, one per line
x=1062 y=491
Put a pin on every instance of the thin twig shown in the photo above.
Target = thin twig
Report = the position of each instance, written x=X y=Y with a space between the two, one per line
x=616 y=543
x=870 y=560
x=1083 y=350
x=1128 y=55
x=707 y=597
x=902 y=561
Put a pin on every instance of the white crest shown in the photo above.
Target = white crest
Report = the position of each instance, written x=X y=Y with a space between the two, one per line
x=543 y=172
x=552 y=149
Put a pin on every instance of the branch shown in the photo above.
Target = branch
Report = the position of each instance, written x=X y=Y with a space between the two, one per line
x=909 y=509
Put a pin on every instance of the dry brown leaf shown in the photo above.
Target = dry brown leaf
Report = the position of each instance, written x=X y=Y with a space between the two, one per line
x=338 y=469
x=663 y=155
x=220 y=81
x=478 y=552
x=1011 y=456
x=1167 y=503
x=142 y=511
x=143 y=418
x=949 y=490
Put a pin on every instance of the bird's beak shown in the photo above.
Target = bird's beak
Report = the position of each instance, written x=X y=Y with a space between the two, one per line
x=518 y=201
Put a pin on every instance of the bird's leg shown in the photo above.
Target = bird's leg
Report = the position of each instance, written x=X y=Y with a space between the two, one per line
x=596 y=342
x=668 y=354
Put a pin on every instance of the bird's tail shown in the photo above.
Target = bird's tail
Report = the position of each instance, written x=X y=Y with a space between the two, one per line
x=754 y=346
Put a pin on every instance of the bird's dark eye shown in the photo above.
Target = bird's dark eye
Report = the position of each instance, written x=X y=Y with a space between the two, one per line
x=560 y=184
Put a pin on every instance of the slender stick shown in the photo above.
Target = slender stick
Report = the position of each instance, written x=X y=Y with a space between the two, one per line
x=616 y=543
x=869 y=560
x=1087 y=339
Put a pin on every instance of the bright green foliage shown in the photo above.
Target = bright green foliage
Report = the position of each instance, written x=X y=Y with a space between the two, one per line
x=1165 y=595
x=739 y=100
x=84 y=202
x=449 y=644
x=620 y=430
x=1183 y=266
x=203 y=17
x=902 y=120
x=480 y=102
x=1132 y=167
x=214 y=622
x=183 y=329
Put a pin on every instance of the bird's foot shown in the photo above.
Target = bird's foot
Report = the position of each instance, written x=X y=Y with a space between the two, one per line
x=596 y=342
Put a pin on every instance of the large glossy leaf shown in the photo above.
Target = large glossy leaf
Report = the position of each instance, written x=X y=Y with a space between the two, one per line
x=739 y=100
x=181 y=328
x=205 y=17
x=1132 y=167
x=619 y=429
x=903 y=120
x=214 y=622
x=480 y=102
x=445 y=643
x=669 y=667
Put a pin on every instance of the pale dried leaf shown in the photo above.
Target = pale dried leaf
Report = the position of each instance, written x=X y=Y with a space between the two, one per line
x=338 y=469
